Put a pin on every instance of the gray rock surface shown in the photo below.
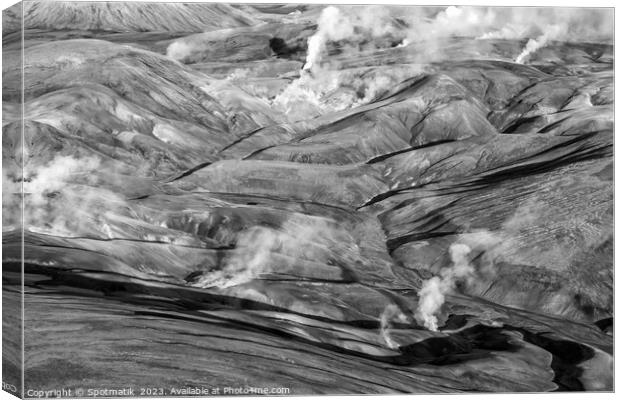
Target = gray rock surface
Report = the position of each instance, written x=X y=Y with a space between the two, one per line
x=185 y=225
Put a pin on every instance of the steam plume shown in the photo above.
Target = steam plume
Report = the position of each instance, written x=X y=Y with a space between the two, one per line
x=53 y=176
x=53 y=205
x=332 y=90
x=322 y=87
x=429 y=25
x=355 y=24
x=433 y=291
x=62 y=197
x=390 y=314
x=332 y=25
x=534 y=44
x=250 y=259
x=179 y=50
x=494 y=246
x=257 y=248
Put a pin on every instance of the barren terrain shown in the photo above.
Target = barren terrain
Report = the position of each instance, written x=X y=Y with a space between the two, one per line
x=210 y=203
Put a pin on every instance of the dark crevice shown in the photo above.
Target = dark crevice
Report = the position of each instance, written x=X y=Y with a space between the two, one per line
x=190 y=171
x=383 y=157
x=605 y=324
x=566 y=357
x=241 y=138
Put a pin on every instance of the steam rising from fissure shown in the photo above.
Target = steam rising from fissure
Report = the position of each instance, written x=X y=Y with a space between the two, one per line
x=420 y=33
x=490 y=248
x=63 y=197
x=392 y=313
x=433 y=291
x=260 y=250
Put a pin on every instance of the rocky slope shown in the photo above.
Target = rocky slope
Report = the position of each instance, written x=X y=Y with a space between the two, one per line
x=203 y=212
x=132 y=17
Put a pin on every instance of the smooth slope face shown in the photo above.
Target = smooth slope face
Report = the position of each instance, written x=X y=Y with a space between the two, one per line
x=401 y=215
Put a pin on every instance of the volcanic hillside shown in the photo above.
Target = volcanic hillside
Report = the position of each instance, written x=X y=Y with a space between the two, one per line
x=242 y=195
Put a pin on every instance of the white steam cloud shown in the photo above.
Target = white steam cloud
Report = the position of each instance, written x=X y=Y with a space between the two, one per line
x=179 y=50
x=52 y=177
x=491 y=247
x=552 y=33
x=433 y=292
x=420 y=33
x=62 y=197
x=543 y=25
x=258 y=248
x=392 y=313
x=330 y=90
x=355 y=24
x=427 y=26
x=360 y=26
x=250 y=260
x=52 y=205
x=323 y=88
x=332 y=25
